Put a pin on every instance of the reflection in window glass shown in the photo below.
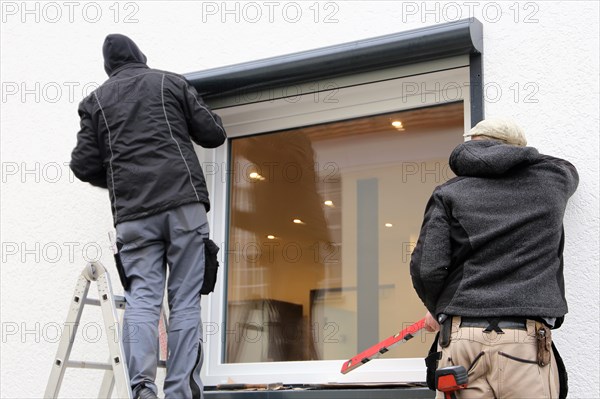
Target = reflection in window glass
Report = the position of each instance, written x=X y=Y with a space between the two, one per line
x=321 y=226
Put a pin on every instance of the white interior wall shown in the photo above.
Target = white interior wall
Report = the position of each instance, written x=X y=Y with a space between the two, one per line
x=540 y=66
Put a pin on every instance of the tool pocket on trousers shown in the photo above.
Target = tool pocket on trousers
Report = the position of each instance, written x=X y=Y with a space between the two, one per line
x=211 y=266
x=518 y=359
x=519 y=373
x=120 y=268
x=475 y=361
x=127 y=244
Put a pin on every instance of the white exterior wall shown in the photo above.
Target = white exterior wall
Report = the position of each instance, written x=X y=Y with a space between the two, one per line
x=542 y=56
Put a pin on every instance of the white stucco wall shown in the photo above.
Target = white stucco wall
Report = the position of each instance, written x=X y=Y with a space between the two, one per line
x=543 y=56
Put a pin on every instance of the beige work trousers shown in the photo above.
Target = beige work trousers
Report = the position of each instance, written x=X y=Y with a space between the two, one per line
x=499 y=366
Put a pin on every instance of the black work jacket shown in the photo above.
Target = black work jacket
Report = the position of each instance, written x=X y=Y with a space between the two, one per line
x=136 y=136
x=492 y=239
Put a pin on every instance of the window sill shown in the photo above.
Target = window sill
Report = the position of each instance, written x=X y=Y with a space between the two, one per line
x=356 y=392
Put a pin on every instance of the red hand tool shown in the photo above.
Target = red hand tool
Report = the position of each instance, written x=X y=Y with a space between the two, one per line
x=379 y=349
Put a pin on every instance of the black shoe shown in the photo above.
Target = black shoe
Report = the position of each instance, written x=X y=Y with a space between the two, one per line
x=146 y=393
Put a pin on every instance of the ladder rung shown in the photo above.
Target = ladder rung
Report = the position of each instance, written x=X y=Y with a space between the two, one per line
x=81 y=364
x=88 y=365
x=119 y=302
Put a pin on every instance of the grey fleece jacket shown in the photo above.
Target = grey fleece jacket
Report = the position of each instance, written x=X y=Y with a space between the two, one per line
x=492 y=238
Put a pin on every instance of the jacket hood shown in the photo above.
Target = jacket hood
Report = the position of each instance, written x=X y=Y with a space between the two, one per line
x=486 y=158
x=118 y=51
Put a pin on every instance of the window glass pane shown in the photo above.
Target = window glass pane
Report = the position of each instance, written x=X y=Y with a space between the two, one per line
x=322 y=221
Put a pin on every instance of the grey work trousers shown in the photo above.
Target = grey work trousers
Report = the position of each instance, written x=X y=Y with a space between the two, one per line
x=175 y=238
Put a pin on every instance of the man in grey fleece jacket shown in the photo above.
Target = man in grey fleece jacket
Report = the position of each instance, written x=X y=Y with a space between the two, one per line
x=488 y=264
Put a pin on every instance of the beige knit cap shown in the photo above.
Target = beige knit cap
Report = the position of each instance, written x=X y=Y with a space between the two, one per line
x=501 y=129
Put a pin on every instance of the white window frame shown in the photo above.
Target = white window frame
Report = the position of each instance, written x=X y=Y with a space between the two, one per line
x=450 y=77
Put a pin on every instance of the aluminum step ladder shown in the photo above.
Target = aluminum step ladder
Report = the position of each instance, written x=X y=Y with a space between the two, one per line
x=116 y=374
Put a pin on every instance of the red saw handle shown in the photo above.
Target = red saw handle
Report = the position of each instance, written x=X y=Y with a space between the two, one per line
x=379 y=349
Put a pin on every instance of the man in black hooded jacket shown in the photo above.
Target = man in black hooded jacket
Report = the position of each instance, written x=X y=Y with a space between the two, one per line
x=488 y=263
x=136 y=139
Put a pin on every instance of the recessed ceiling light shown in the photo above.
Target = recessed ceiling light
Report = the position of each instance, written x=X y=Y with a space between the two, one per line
x=298 y=221
x=256 y=176
x=271 y=237
x=388 y=225
x=328 y=203
x=397 y=124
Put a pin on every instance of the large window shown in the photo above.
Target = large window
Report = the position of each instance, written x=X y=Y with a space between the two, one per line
x=322 y=220
x=317 y=205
